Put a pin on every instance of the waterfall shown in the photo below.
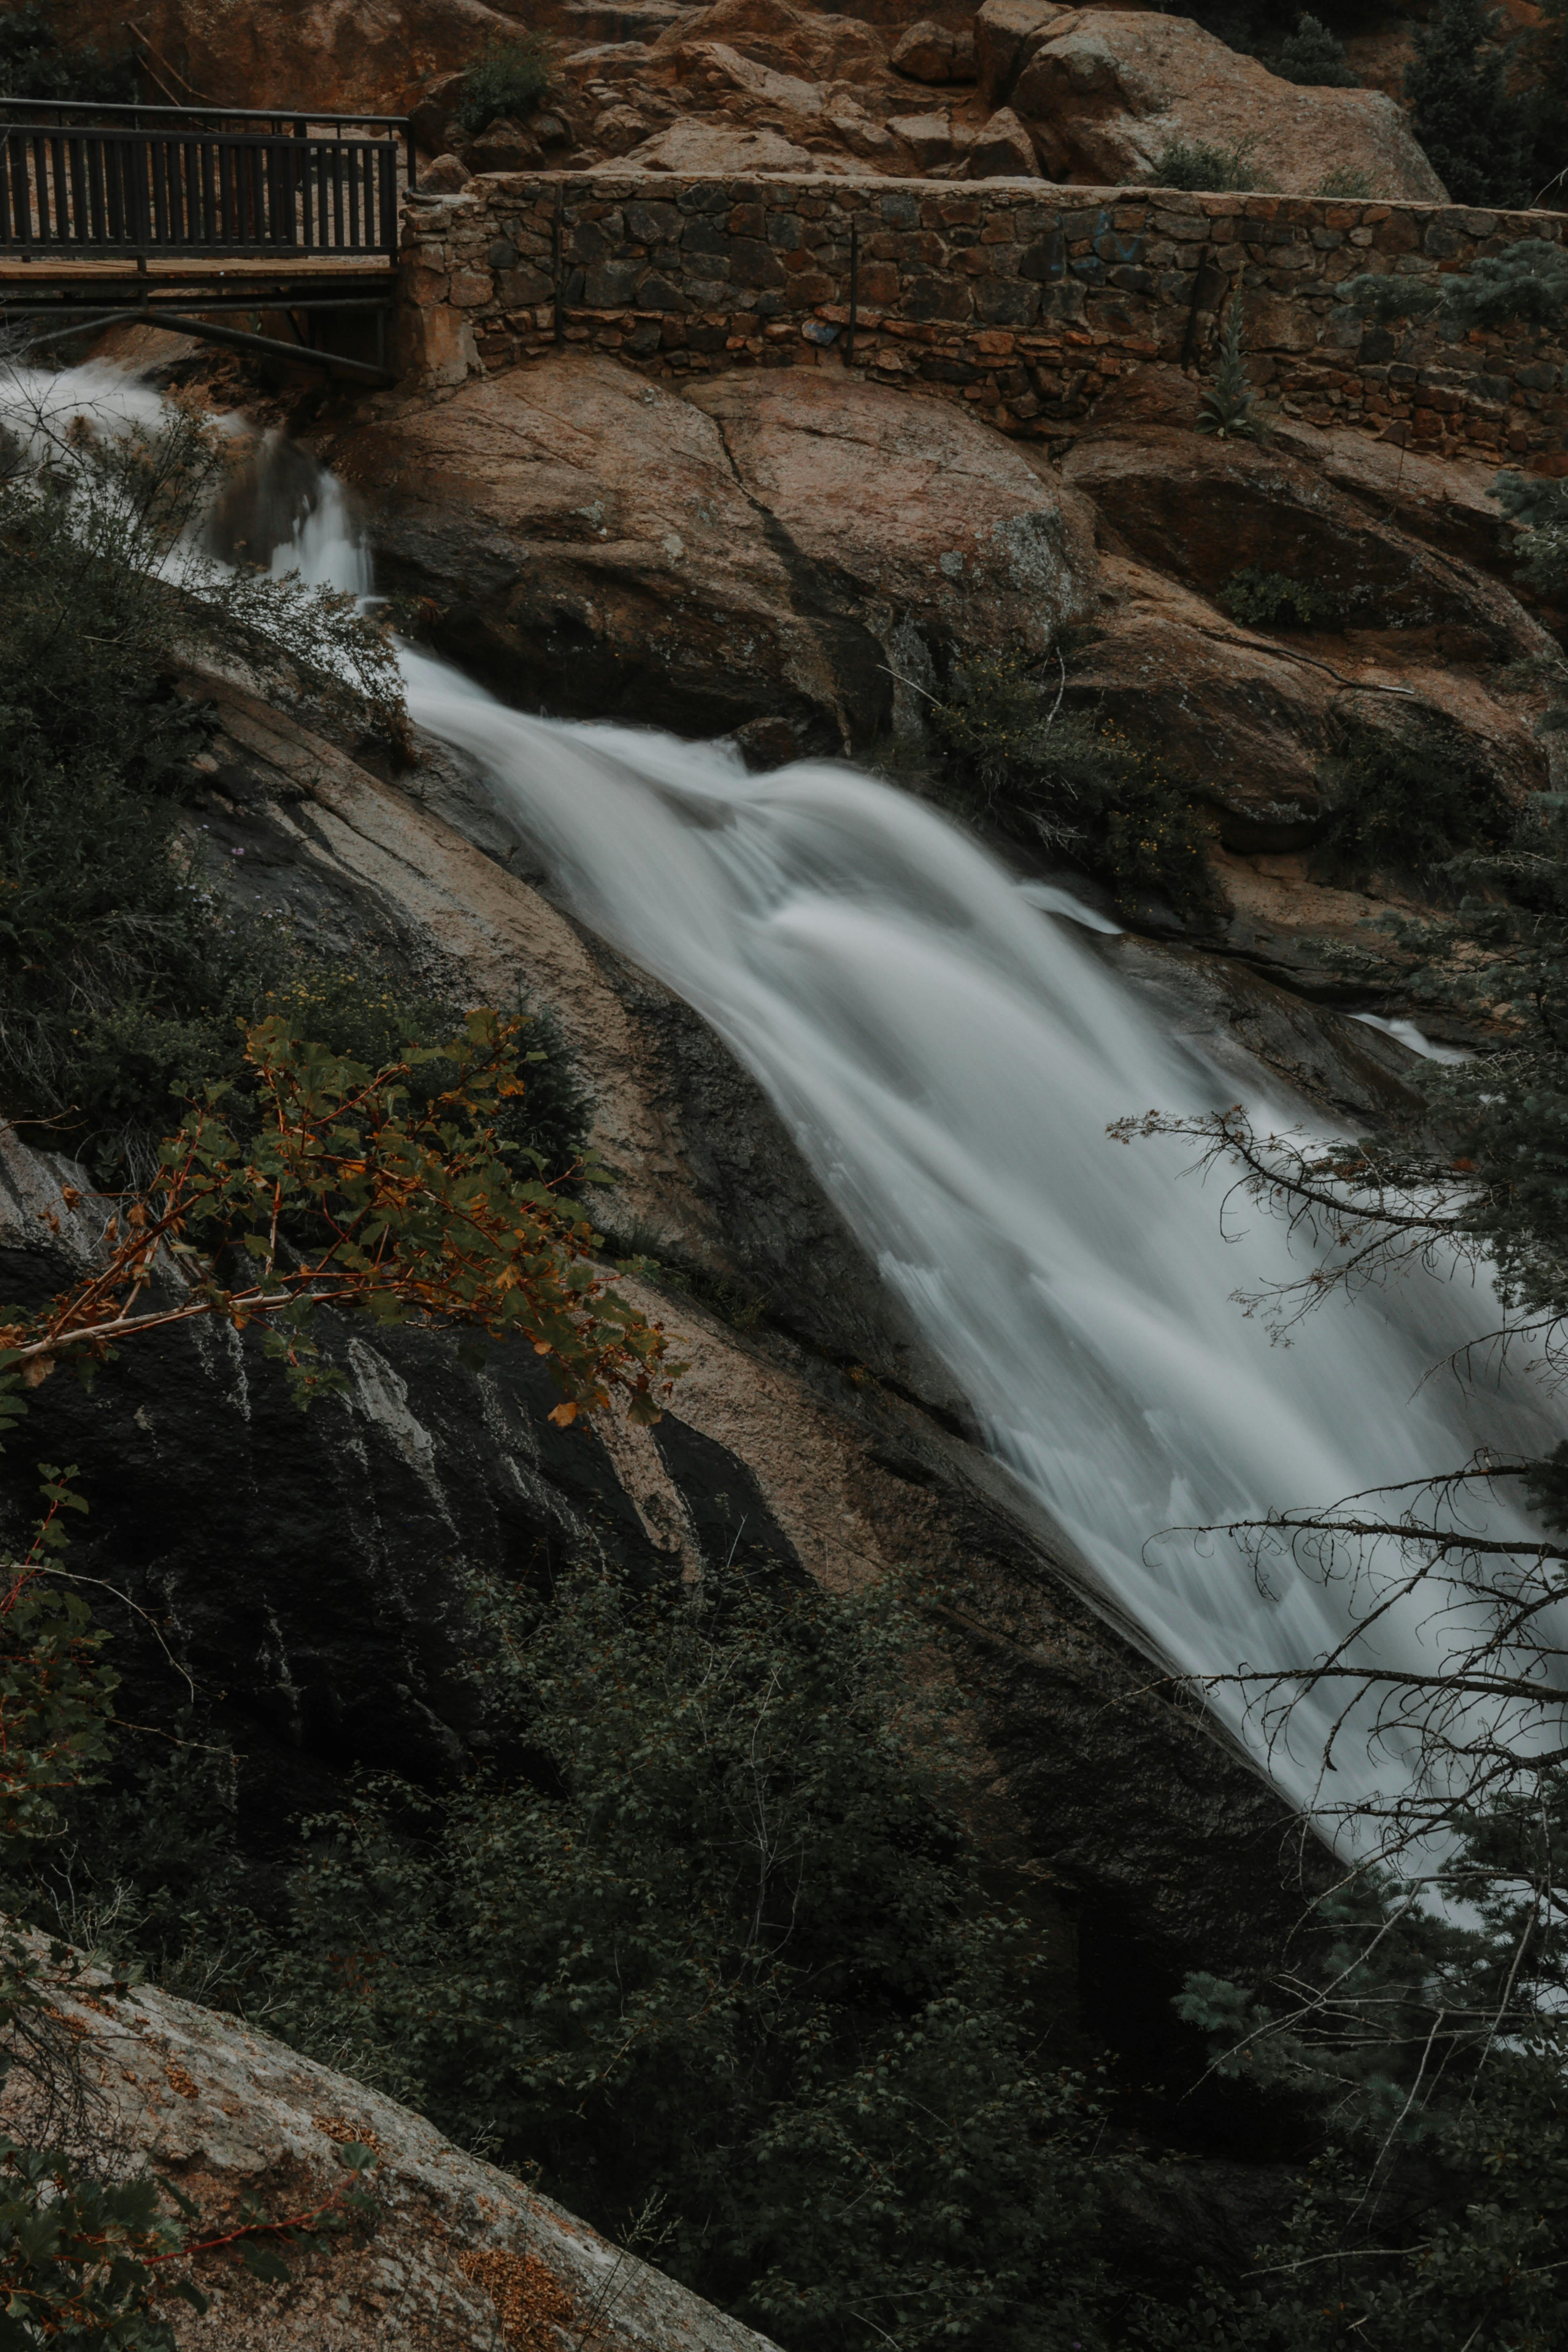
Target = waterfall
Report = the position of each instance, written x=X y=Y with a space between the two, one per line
x=948 y=1047
x=948 y=1055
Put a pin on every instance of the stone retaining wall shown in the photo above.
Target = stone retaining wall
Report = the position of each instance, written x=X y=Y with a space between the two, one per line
x=1027 y=301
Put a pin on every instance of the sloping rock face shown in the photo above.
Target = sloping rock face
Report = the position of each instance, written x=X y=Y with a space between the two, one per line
x=762 y=556
x=1103 y=91
x=459 y=2257
x=800 y=557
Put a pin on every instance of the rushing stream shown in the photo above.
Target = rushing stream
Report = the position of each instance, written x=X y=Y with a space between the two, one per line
x=948 y=1052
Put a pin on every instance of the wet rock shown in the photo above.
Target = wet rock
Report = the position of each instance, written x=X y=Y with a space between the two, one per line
x=749 y=553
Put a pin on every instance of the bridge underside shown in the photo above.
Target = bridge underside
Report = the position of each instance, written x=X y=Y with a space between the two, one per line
x=324 y=302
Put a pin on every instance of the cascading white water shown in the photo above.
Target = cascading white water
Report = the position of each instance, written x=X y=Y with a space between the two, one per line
x=948 y=1058
x=948 y=1049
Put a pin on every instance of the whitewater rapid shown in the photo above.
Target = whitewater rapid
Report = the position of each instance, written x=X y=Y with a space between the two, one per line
x=947 y=1048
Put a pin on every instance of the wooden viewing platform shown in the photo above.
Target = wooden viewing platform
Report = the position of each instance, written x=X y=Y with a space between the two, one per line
x=179 y=213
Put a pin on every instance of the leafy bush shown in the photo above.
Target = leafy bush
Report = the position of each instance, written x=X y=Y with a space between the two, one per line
x=1272 y=600
x=1433 y=2047
x=1197 y=163
x=376 y=1022
x=722 y=1937
x=1527 y=281
x=1314 y=57
x=39 y=60
x=1346 y=179
x=510 y=80
x=118 y=977
x=1461 y=110
x=1070 y=782
x=1403 y=804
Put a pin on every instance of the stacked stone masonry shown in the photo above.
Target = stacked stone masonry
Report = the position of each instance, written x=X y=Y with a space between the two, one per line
x=1027 y=300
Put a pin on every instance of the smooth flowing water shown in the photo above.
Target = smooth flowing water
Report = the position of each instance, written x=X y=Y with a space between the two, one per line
x=948 y=1057
x=947 y=1048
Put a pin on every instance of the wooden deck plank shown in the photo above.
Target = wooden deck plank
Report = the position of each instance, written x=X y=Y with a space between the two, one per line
x=194 y=270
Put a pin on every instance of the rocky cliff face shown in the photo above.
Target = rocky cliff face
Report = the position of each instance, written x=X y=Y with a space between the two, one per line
x=1020 y=87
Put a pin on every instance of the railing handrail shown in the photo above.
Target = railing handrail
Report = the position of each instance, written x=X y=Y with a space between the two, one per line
x=219 y=113
x=193 y=185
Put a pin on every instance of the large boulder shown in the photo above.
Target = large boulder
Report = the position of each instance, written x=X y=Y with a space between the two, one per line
x=932 y=516
x=807 y=42
x=936 y=53
x=1103 y=92
x=1201 y=511
x=749 y=554
x=1248 y=712
x=460 y=2256
x=335 y=55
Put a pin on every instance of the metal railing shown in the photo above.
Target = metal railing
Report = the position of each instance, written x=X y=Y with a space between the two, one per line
x=144 y=180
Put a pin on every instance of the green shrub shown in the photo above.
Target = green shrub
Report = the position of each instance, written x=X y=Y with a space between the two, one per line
x=1347 y=181
x=1272 y=600
x=1198 y=164
x=371 y=1020
x=121 y=978
x=1070 y=782
x=716 y=1932
x=510 y=80
x=1402 y=805
x=1315 y=58
x=1228 y=406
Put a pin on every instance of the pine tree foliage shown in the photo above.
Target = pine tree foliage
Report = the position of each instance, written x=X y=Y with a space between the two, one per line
x=1315 y=58
x=1462 y=111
